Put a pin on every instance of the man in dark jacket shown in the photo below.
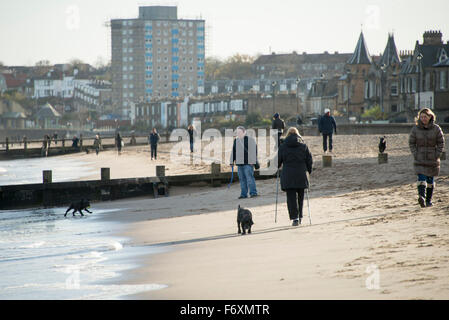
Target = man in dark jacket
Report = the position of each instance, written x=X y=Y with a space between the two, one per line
x=326 y=126
x=244 y=155
x=153 y=138
x=278 y=124
x=296 y=159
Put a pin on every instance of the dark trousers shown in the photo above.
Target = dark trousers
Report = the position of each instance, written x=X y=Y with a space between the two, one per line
x=295 y=201
x=325 y=136
x=154 y=151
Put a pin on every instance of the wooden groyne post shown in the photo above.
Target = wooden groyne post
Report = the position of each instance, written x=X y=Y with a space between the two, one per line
x=215 y=171
x=327 y=161
x=382 y=158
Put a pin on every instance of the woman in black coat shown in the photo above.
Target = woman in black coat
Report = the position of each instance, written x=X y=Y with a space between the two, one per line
x=295 y=158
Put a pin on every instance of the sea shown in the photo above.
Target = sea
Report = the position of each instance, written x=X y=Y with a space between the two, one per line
x=46 y=256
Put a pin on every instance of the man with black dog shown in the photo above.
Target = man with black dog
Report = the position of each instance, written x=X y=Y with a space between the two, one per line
x=244 y=154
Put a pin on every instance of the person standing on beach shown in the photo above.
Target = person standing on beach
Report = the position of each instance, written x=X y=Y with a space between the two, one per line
x=75 y=142
x=97 y=144
x=118 y=142
x=326 y=126
x=295 y=158
x=191 y=131
x=278 y=124
x=426 y=143
x=244 y=155
x=154 y=138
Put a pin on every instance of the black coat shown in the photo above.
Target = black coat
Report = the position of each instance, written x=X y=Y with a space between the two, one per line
x=296 y=159
x=278 y=124
x=327 y=124
x=153 y=138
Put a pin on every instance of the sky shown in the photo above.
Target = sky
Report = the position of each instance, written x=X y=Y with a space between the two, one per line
x=61 y=30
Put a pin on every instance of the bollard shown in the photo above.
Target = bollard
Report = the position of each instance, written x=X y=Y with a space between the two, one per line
x=327 y=161
x=160 y=171
x=47 y=176
x=160 y=188
x=383 y=158
x=7 y=144
x=443 y=156
x=215 y=171
x=105 y=174
x=25 y=143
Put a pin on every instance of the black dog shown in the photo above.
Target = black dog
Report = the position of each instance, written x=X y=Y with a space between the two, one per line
x=83 y=204
x=382 y=144
x=245 y=219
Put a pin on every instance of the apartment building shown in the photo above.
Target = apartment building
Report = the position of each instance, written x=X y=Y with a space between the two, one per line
x=156 y=56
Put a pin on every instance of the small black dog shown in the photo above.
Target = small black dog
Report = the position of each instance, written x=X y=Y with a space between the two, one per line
x=245 y=219
x=83 y=204
x=382 y=144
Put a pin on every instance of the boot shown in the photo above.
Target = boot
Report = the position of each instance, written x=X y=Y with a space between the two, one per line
x=422 y=196
x=429 y=192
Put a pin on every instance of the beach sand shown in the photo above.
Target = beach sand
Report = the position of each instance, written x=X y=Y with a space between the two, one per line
x=369 y=239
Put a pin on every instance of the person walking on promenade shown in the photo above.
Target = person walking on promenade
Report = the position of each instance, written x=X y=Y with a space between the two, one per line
x=244 y=155
x=326 y=126
x=154 y=138
x=278 y=124
x=45 y=146
x=97 y=144
x=191 y=130
x=426 y=143
x=295 y=158
x=75 y=142
x=118 y=142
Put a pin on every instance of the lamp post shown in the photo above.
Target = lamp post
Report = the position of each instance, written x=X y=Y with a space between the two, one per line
x=348 y=79
x=298 y=80
x=273 y=86
x=419 y=57
x=382 y=68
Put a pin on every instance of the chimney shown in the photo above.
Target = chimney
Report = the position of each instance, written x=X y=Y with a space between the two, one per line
x=432 y=38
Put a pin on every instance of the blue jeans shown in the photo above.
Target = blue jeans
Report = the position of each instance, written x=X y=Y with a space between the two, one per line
x=191 y=146
x=425 y=180
x=246 y=178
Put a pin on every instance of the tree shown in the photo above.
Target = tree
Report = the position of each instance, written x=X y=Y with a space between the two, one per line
x=213 y=66
x=374 y=113
x=237 y=67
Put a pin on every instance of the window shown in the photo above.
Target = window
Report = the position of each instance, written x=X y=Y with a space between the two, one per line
x=443 y=79
x=394 y=89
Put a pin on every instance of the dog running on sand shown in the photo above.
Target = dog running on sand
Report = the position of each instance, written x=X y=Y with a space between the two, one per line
x=79 y=206
x=244 y=219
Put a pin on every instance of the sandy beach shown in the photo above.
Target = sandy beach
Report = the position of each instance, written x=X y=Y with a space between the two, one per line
x=369 y=239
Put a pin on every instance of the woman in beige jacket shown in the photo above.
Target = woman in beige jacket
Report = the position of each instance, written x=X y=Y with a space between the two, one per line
x=426 y=143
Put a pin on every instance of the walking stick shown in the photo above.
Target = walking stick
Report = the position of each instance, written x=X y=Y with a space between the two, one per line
x=308 y=205
x=232 y=176
x=277 y=191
